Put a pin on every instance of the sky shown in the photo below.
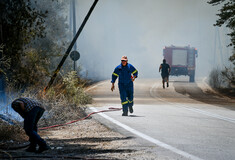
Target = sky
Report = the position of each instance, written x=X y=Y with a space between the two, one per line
x=140 y=29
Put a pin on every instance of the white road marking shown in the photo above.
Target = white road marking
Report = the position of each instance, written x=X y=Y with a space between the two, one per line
x=148 y=138
x=208 y=113
x=192 y=109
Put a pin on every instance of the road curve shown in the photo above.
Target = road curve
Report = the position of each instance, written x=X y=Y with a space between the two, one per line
x=184 y=121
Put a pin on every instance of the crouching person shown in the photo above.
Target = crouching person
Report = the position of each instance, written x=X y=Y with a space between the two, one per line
x=31 y=111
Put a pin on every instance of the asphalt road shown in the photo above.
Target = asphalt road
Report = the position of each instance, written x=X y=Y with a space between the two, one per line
x=184 y=121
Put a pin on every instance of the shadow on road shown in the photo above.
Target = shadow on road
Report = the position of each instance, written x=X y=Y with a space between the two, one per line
x=194 y=92
x=82 y=147
x=135 y=116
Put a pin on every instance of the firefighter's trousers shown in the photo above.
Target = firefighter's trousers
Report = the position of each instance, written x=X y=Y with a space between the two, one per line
x=126 y=94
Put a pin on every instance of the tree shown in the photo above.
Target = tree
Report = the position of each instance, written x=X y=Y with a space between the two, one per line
x=34 y=34
x=54 y=44
x=46 y=52
x=226 y=16
x=20 y=23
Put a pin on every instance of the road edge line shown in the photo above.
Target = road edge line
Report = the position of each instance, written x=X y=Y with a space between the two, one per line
x=148 y=138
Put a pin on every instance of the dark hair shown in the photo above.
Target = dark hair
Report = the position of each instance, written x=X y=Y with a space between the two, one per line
x=164 y=61
x=15 y=104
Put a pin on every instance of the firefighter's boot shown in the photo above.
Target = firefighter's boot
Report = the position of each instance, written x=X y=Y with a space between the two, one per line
x=125 y=110
x=131 y=109
x=124 y=114
x=130 y=106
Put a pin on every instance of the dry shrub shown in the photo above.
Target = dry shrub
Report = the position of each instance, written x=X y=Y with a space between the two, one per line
x=221 y=79
x=64 y=101
x=61 y=113
x=11 y=132
x=70 y=90
x=74 y=92
x=229 y=73
x=216 y=79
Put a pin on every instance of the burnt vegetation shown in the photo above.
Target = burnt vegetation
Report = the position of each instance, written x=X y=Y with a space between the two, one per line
x=33 y=37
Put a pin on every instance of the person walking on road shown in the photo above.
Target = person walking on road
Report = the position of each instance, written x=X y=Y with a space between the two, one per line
x=31 y=111
x=126 y=74
x=165 y=71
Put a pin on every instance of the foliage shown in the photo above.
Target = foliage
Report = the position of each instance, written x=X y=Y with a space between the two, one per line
x=1 y=48
x=4 y=62
x=229 y=73
x=33 y=39
x=221 y=79
x=20 y=23
x=74 y=90
x=216 y=79
x=53 y=45
x=69 y=89
x=232 y=58
x=226 y=16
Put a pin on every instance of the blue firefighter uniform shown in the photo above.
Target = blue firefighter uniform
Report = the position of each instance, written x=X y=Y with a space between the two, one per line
x=125 y=84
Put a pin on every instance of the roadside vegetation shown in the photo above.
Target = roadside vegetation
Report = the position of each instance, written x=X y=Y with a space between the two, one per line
x=33 y=38
x=223 y=80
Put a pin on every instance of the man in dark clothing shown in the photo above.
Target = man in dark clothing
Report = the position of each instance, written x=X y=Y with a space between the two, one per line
x=166 y=69
x=127 y=74
x=31 y=111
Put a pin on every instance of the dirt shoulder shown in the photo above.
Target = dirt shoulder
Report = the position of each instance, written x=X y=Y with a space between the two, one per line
x=87 y=139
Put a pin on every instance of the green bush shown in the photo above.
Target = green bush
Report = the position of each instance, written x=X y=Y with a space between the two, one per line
x=74 y=92
x=70 y=89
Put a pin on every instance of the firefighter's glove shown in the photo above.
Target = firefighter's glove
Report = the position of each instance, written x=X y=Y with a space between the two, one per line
x=112 y=87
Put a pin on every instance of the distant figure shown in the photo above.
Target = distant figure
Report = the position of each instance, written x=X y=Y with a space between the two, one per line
x=165 y=71
x=127 y=74
x=31 y=111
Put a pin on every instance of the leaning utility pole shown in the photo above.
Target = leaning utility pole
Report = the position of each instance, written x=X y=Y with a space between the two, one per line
x=73 y=25
x=70 y=47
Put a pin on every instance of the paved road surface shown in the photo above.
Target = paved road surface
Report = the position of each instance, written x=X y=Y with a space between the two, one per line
x=184 y=121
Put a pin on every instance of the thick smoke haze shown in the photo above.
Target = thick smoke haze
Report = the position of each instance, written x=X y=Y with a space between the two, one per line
x=141 y=29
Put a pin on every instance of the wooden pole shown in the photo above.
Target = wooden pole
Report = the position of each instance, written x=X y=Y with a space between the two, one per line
x=70 y=47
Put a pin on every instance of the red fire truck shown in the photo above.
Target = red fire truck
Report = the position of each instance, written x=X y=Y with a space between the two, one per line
x=181 y=60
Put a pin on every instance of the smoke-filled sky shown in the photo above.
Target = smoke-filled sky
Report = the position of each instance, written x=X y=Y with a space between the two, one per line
x=141 y=29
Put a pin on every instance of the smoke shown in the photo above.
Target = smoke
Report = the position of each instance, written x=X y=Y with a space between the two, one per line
x=141 y=29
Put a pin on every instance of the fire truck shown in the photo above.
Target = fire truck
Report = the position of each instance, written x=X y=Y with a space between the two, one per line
x=182 y=60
